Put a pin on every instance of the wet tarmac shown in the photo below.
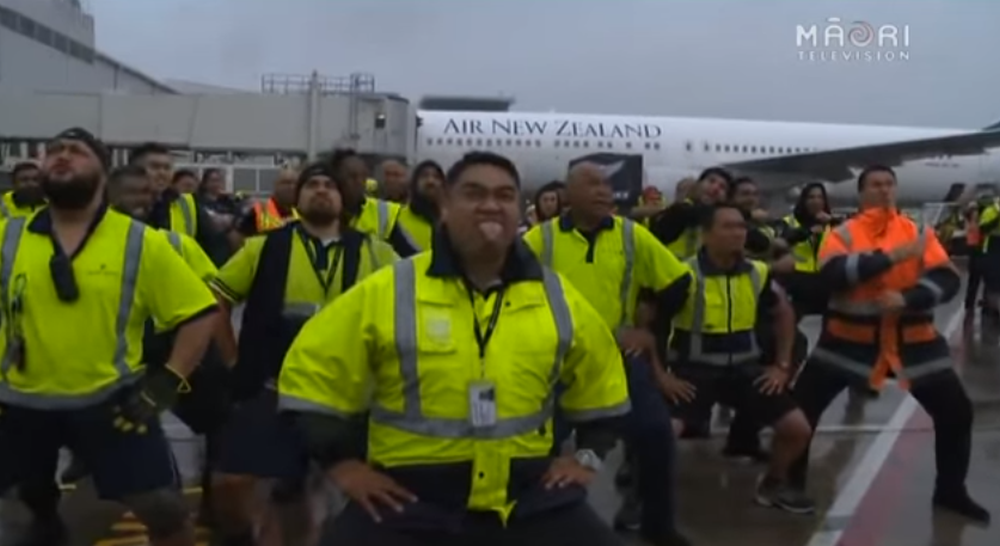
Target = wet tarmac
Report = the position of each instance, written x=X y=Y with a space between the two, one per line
x=872 y=475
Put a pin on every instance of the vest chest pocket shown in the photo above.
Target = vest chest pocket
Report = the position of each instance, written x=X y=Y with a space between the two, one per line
x=716 y=305
x=435 y=331
x=101 y=282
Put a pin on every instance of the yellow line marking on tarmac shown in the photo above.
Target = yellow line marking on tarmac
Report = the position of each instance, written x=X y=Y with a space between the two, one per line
x=124 y=541
x=135 y=541
x=126 y=526
x=135 y=531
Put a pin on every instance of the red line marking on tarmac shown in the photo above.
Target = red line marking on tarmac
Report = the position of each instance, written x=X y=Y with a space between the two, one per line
x=880 y=504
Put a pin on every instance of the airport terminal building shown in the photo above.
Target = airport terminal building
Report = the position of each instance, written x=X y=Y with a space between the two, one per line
x=52 y=76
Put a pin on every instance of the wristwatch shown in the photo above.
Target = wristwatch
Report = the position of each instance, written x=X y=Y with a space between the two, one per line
x=588 y=459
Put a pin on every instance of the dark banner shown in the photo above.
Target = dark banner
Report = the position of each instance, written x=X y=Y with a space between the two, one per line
x=624 y=171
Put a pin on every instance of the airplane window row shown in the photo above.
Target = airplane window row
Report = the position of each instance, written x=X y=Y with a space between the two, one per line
x=744 y=149
x=718 y=148
x=489 y=142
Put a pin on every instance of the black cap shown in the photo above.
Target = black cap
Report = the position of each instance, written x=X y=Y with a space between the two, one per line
x=315 y=169
x=92 y=142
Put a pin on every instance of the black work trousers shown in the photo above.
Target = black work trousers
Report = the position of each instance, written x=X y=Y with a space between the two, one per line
x=942 y=396
x=574 y=525
x=975 y=278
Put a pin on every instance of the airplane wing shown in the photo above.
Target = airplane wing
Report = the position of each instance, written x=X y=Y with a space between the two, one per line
x=837 y=165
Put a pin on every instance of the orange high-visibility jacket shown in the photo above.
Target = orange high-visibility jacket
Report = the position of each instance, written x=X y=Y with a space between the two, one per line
x=861 y=338
x=270 y=217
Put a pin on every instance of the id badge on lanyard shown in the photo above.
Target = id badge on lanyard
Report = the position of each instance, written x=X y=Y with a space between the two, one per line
x=483 y=392
x=482 y=403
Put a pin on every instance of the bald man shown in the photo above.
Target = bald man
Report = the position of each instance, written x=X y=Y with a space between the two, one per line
x=585 y=245
x=395 y=186
x=273 y=213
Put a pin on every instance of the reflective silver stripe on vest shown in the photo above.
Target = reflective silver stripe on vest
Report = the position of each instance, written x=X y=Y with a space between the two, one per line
x=548 y=242
x=130 y=275
x=872 y=309
x=187 y=214
x=696 y=354
x=853 y=261
x=372 y=256
x=382 y=210
x=909 y=372
x=412 y=419
x=4 y=211
x=175 y=241
x=628 y=254
x=628 y=246
x=299 y=310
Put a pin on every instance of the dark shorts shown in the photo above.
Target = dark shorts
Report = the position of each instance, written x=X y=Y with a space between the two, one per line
x=122 y=463
x=257 y=441
x=732 y=387
x=206 y=407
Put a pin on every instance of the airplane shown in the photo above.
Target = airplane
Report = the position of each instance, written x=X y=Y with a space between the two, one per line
x=933 y=165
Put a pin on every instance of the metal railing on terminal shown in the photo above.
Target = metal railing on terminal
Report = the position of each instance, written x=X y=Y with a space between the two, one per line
x=298 y=84
x=244 y=179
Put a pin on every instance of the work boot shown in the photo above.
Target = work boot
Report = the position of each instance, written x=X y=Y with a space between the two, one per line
x=777 y=494
x=629 y=516
x=45 y=532
x=623 y=477
x=959 y=502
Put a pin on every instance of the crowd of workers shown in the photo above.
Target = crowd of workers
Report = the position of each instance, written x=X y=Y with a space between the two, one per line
x=459 y=373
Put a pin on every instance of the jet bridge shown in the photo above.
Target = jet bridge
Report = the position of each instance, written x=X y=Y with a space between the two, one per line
x=293 y=115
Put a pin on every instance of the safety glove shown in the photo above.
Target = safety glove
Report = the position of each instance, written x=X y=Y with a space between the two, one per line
x=154 y=394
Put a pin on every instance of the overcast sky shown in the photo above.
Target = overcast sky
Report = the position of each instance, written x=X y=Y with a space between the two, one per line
x=735 y=58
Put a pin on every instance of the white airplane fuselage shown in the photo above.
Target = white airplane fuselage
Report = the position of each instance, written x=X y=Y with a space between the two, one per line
x=542 y=145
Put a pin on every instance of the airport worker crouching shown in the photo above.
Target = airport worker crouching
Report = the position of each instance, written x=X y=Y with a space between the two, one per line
x=370 y=215
x=989 y=262
x=714 y=354
x=205 y=406
x=285 y=277
x=743 y=441
x=94 y=276
x=887 y=275
x=609 y=259
x=458 y=350
x=677 y=226
x=419 y=217
x=26 y=196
